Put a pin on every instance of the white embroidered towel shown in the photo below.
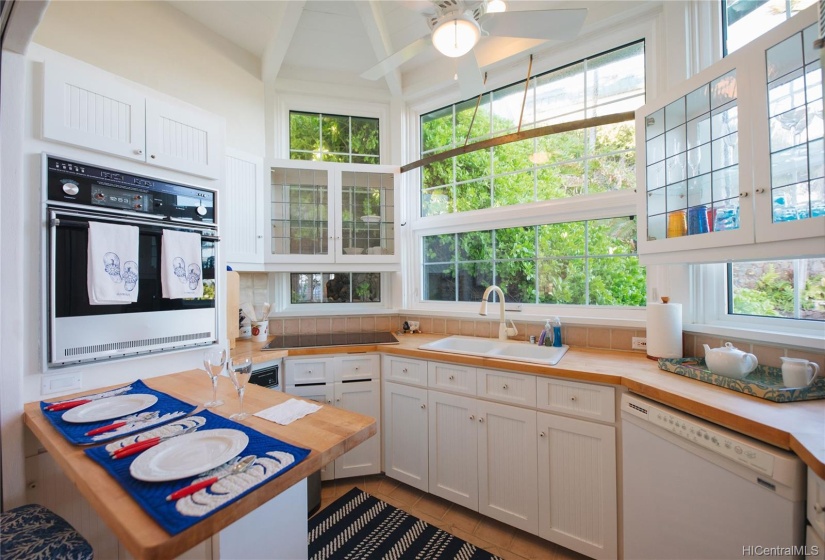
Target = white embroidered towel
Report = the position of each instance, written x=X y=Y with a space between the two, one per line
x=180 y=265
x=288 y=412
x=112 y=271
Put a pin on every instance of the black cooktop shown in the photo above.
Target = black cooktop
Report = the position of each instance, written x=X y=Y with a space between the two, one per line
x=331 y=339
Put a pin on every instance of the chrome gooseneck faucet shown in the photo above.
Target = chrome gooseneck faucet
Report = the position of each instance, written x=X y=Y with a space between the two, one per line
x=504 y=332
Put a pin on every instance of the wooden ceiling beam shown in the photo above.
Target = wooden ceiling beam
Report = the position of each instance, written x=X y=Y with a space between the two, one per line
x=379 y=38
x=282 y=33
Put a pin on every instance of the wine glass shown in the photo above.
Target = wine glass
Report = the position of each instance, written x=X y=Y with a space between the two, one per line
x=214 y=361
x=240 y=370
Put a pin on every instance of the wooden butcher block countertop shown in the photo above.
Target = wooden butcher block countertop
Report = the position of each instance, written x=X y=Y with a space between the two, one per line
x=797 y=426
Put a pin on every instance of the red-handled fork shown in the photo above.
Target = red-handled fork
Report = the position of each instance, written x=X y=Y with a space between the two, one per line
x=237 y=468
x=138 y=446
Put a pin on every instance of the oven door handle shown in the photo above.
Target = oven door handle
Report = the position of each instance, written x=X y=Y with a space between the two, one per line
x=56 y=222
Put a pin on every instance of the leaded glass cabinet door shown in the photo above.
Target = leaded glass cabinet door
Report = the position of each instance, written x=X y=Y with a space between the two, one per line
x=300 y=221
x=790 y=151
x=368 y=214
x=694 y=193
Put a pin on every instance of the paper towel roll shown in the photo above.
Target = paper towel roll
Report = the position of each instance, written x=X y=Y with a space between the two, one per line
x=664 y=330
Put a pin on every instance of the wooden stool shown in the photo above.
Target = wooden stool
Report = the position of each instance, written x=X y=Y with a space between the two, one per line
x=33 y=532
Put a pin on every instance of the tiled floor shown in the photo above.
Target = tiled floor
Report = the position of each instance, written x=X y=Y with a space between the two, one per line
x=493 y=536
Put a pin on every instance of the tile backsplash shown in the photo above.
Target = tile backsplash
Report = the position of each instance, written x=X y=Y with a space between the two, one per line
x=599 y=337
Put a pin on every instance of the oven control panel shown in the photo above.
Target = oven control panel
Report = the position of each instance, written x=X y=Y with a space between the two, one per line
x=89 y=185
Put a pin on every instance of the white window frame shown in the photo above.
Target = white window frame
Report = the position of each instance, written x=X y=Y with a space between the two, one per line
x=648 y=25
x=281 y=286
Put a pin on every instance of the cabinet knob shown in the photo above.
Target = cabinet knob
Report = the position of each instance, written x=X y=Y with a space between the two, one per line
x=744 y=194
x=504 y=387
x=338 y=400
x=472 y=417
x=541 y=434
x=330 y=402
x=404 y=370
x=451 y=377
x=309 y=371
x=139 y=152
x=573 y=398
x=423 y=406
x=356 y=368
x=260 y=237
x=152 y=156
x=481 y=420
x=818 y=508
x=759 y=191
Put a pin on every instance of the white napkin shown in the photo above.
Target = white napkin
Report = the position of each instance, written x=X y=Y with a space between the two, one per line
x=180 y=265
x=288 y=412
x=112 y=271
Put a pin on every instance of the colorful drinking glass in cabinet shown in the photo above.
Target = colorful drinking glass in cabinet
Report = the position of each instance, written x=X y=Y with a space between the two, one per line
x=677 y=223
x=711 y=217
x=697 y=220
x=727 y=217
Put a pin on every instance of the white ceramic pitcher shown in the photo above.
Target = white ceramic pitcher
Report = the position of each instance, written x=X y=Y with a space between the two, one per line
x=798 y=372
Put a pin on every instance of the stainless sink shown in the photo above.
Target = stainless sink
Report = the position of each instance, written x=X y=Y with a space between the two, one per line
x=500 y=349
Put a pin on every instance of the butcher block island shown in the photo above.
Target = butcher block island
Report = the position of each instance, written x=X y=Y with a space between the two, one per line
x=327 y=433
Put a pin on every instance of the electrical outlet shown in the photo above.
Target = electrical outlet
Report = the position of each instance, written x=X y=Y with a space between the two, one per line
x=638 y=343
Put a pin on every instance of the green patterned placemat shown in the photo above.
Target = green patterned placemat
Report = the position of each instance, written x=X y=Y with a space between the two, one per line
x=764 y=382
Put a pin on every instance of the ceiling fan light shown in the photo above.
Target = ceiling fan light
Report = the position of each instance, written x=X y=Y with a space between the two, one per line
x=456 y=36
x=496 y=6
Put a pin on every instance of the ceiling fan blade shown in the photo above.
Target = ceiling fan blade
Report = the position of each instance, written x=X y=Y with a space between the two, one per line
x=536 y=24
x=470 y=79
x=397 y=58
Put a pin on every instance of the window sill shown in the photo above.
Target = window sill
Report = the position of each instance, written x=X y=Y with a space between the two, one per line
x=803 y=338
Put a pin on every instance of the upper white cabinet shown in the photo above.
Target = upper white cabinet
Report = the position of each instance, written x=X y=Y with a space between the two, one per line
x=90 y=108
x=733 y=157
x=243 y=218
x=322 y=213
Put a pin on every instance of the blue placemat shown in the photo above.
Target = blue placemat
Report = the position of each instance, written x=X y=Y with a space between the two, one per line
x=167 y=408
x=274 y=457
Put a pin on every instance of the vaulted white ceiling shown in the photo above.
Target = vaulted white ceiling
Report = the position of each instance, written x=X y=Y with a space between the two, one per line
x=334 y=41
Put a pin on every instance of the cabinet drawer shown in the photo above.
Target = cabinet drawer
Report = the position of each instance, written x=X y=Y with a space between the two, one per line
x=577 y=399
x=412 y=372
x=516 y=388
x=300 y=372
x=453 y=378
x=358 y=367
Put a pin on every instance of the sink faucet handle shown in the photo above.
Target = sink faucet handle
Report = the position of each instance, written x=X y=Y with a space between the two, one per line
x=512 y=331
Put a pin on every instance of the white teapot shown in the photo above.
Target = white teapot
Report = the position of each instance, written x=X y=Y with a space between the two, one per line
x=730 y=361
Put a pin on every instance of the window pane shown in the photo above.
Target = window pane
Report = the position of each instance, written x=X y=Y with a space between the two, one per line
x=562 y=281
x=473 y=279
x=746 y=20
x=364 y=137
x=788 y=288
x=334 y=138
x=616 y=281
x=437 y=129
x=304 y=131
x=439 y=282
x=475 y=246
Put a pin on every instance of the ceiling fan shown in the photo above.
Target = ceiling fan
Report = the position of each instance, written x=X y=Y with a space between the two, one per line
x=457 y=26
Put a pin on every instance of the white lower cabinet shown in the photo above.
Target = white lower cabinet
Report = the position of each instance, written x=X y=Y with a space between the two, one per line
x=577 y=485
x=507 y=465
x=453 y=446
x=348 y=382
x=405 y=434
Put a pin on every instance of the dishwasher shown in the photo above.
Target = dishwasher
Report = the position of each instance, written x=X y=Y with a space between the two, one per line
x=695 y=490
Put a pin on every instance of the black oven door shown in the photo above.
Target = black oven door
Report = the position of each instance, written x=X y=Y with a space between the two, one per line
x=79 y=331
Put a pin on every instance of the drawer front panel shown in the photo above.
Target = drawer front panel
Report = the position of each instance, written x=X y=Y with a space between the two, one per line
x=452 y=378
x=596 y=402
x=515 y=388
x=358 y=367
x=299 y=372
x=412 y=372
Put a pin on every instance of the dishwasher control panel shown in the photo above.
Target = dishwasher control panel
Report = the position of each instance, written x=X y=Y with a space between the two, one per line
x=704 y=434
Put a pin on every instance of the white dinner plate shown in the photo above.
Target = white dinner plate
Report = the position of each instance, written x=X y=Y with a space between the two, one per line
x=108 y=408
x=188 y=455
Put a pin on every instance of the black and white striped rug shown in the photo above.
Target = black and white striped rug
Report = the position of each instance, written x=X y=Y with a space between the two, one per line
x=360 y=526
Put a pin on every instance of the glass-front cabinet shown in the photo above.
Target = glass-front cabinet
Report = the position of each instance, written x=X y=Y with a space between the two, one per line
x=332 y=213
x=733 y=157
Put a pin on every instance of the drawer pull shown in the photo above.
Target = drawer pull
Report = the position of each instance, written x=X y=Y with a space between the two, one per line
x=573 y=398
x=338 y=400
x=451 y=377
x=481 y=420
x=472 y=417
x=356 y=368
x=423 y=406
x=404 y=370
x=541 y=434
x=309 y=371
x=504 y=387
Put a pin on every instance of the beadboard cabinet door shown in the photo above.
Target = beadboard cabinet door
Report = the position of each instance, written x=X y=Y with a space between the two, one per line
x=405 y=434
x=454 y=448
x=243 y=221
x=324 y=394
x=507 y=469
x=362 y=397
x=577 y=485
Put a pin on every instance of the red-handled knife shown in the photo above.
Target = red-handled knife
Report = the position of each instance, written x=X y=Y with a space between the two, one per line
x=67 y=405
x=143 y=445
x=133 y=419
x=237 y=468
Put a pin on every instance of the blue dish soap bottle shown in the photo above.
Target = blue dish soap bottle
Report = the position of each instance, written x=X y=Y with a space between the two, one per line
x=556 y=332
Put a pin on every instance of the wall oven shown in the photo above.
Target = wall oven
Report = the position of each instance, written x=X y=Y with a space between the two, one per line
x=77 y=194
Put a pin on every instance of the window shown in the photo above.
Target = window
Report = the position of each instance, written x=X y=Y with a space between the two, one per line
x=337 y=287
x=579 y=263
x=744 y=20
x=792 y=289
x=585 y=161
x=337 y=138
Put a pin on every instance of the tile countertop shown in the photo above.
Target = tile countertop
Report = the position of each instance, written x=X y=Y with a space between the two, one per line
x=798 y=426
